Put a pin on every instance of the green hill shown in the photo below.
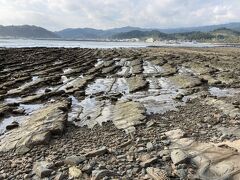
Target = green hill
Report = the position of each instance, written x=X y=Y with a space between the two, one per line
x=26 y=31
x=218 y=35
x=142 y=35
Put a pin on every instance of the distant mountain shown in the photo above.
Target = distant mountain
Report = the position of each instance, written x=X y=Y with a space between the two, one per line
x=89 y=33
x=142 y=35
x=202 y=32
x=233 y=26
x=226 y=35
x=218 y=35
x=81 y=33
x=25 y=31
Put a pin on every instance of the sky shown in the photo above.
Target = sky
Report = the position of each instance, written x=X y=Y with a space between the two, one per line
x=103 y=14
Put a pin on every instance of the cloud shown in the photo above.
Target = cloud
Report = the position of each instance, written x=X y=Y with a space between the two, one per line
x=58 y=14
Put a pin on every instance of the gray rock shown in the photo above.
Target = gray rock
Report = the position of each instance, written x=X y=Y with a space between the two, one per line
x=182 y=173
x=179 y=96
x=12 y=126
x=166 y=158
x=47 y=90
x=166 y=142
x=87 y=169
x=18 y=111
x=150 y=123
x=148 y=162
x=175 y=134
x=97 y=152
x=164 y=152
x=182 y=166
x=140 y=149
x=178 y=156
x=74 y=160
x=42 y=169
x=60 y=176
x=136 y=83
x=149 y=146
x=100 y=174
x=157 y=174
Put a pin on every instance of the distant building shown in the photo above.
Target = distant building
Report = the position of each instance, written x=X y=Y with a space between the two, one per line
x=150 y=40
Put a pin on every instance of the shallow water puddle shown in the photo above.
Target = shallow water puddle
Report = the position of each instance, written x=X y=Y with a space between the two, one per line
x=159 y=98
x=100 y=86
x=57 y=62
x=30 y=108
x=88 y=112
x=108 y=85
x=35 y=80
x=223 y=92
x=43 y=90
x=121 y=62
x=149 y=68
x=68 y=70
x=185 y=71
x=6 y=69
x=125 y=69
x=65 y=79
x=99 y=62
x=8 y=120
x=68 y=82
x=120 y=86
x=76 y=109
x=12 y=100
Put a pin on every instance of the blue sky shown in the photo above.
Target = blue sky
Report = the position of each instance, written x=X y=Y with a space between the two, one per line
x=59 y=14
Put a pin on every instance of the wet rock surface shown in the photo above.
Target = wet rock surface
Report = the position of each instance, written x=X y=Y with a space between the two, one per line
x=158 y=113
x=37 y=129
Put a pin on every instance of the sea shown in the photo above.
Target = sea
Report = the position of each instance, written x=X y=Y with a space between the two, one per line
x=20 y=43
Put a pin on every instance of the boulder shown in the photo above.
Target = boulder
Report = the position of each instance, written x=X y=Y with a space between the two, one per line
x=127 y=121
x=42 y=169
x=36 y=129
x=185 y=81
x=136 y=83
x=178 y=156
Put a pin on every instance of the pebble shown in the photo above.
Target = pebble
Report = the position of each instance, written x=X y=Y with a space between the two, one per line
x=100 y=174
x=157 y=174
x=149 y=146
x=74 y=160
x=182 y=173
x=60 y=176
x=74 y=172
x=149 y=162
x=97 y=152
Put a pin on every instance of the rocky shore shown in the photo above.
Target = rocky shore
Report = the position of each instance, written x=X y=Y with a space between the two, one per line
x=140 y=113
